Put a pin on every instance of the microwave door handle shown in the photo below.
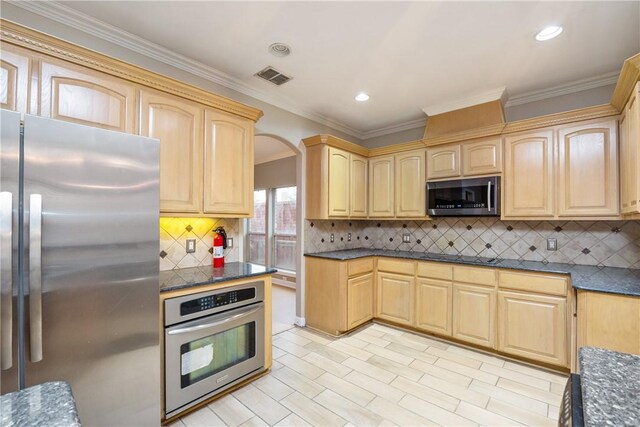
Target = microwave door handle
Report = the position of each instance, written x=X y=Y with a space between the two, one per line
x=6 y=279
x=35 y=276
x=213 y=324
x=489 y=195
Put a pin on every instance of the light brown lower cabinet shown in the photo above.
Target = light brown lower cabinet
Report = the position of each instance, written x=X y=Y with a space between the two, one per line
x=474 y=314
x=359 y=300
x=395 y=298
x=433 y=306
x=533 y=326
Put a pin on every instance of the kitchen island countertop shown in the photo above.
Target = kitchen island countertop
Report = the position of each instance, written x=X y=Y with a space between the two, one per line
x=182 y=278
x=49 y=404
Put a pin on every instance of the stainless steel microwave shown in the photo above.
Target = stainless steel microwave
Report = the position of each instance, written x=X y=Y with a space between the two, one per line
x=464 y=197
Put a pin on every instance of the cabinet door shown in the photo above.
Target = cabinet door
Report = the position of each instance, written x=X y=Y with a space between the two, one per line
x=588 y=170
x=533 y=326
x=631 y=160
x=474 y=314
x=443 y=162
x=178 y=125
x=410 y=185
x=339 y=162
x=395 y=298
x=381 y=187
x=76 y=94
x=358 y=186
x=359 y=300
x=434 y=306
x=15 y=68
x=482 y=157
x=625 y=164
x=528 y=182
x=228 y=164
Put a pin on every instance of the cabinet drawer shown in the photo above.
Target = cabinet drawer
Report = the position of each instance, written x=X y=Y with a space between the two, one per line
x=396 y=266
x=538 y=283
x=360 y=266
x=475 y=275
x=435 y=270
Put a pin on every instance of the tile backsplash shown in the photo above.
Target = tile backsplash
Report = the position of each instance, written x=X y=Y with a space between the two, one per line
x=602 y=243
x=174 y=233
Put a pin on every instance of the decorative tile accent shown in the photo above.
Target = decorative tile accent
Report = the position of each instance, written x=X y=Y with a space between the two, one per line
x=188 y=228
x=532 y=248
x=510 y=228
x=586 y=251
x=163 y=254
x=558 y=229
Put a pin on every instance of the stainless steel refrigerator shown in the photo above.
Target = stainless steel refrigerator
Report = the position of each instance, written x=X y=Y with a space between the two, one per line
x=79 y=266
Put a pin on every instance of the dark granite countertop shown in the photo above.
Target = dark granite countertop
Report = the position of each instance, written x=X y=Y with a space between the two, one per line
x=48 y=404
x=181 y=278
x=610 y=387
x=624 y=281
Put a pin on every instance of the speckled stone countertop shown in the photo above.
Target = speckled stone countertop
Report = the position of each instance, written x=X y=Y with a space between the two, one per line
x=181 y=278
x=43 y=405
x=624 y=281
x=610 y=387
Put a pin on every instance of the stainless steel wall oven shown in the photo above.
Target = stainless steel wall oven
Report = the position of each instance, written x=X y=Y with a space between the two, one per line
x=213 y=340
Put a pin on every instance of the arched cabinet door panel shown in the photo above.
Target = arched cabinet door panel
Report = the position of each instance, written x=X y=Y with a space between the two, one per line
x=15 y=68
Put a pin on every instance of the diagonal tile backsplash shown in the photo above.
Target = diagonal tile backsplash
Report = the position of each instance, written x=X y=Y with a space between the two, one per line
x=174 y=233
x=602 y=243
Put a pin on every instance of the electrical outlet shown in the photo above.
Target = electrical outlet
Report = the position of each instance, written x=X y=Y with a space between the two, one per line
x=348 y=237
x=552 y=244
x=229 y=242
x=406 y=238
x=332 y=238
x=191 y=246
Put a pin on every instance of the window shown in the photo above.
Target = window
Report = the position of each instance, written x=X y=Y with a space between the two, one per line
x=274 y=227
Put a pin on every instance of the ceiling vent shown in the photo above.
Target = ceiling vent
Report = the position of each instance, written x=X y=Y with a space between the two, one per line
x=273 y=76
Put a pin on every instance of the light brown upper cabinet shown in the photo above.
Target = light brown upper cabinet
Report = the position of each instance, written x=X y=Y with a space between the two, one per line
x=178 y=124
x=630 y=155
x=410 y=184
x=358 y=205
x=443 y=161
x=588 y=170
x=528 y=176
x=382 y=187
x=228 y=164
x=76 y=94
x=15 y=68
x=339 y=165
x=482 y=157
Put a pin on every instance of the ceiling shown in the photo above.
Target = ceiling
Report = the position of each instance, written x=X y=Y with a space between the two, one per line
x=405 y=55
x=268 y=149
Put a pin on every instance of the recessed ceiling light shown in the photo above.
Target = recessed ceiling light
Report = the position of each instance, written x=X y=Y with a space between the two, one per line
x=549 y=32
x=279 y=49
x=361 y=97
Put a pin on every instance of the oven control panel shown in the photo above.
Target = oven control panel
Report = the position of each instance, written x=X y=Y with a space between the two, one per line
x=216 y=300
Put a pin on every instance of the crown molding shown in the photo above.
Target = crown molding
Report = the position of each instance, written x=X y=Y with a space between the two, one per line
x=564 y=89
x=79 y=21
x=629 y=76
x=467 y=101
x=387 y=130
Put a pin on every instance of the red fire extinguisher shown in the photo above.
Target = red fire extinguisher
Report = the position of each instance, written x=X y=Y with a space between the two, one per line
x=219 y=244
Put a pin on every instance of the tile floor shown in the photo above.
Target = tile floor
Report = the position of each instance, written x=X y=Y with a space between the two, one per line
x=384 y=376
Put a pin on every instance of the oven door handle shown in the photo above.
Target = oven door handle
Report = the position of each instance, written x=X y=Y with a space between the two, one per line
x=213 y=324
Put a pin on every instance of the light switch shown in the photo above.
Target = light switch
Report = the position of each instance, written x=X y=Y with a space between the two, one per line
x=552 y=244
x=191 y=246
x=229 y=242
x=406 y=238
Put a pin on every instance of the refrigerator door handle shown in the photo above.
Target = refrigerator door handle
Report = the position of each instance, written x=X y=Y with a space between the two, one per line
x=35 y=276
x=6 y=279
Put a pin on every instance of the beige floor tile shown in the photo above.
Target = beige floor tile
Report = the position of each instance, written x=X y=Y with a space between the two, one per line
x=411 y=352
x=397 y=414
x=176 y=423
x=290 y=347
x=554 y=412
x=557 y=388
x=294 y=338
x=405 y=342
x=372 y=339
x=292 y=421
x=254 y=422
x=300 y=383
x=261 y=404
x=477 y=355
x=370 y=370
x=230 y=410
x=510 y=397
x=273 y=387
x=516 y=376
x=353 y=341
x=202 y=417
x=532 y=392
x=454 y=357
x=275 y=365
x=301 y=366
x=311 y=411
x=387 y=329
x=328 y=352
x=396 y=368
x=482 y=416
x=389 y=354
x=520 y=414
x=350 y=350
x=425 y=393
x=312 y=335
x=541 y=373
x=370 y=330
x=276 y=352
x=430 y=342
x=433 y=412
x=373 y=385
x=353 y=413
x=444 y=374
x=328 y=365
x=346 y=389
x=455 y=390
x=465 y=370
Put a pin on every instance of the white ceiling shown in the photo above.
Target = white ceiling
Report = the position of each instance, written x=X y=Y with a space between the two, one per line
x=268 y=149
x=406 y=55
